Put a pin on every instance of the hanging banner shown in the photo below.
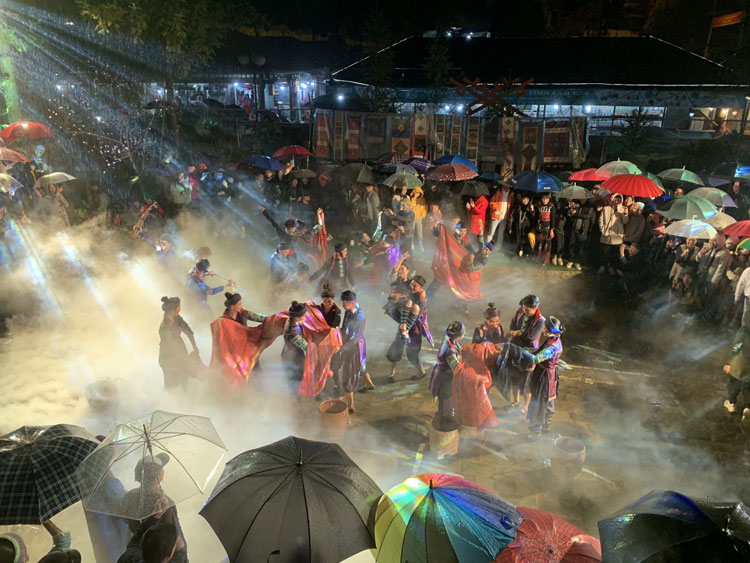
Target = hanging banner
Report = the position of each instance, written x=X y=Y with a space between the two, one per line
x=439 y=134
x=375 y=136
x=455 y=140
x=401 y=135
x=352 y=137
x=421 y=127
x=321 y=134
x=472 y=139
x=507 y=156
x=529 y=145
x=338 y=135
x=556 y=142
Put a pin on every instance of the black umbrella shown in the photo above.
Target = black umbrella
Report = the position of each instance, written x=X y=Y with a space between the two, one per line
x=300 y=500
x=472 y=188
x=37 y=471
x=669 y=526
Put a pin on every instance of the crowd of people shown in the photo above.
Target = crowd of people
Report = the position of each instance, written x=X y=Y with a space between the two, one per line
x=318 y=218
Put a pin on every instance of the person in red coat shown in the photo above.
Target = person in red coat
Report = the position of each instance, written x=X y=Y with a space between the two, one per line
x=477 y=208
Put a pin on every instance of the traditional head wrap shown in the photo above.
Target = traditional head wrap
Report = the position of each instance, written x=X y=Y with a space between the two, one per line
x=554 y=325
x=18 y=545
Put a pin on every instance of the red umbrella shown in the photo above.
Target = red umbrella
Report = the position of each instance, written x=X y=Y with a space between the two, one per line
x=451 y=173
x=25 y=130
x=634 y=185
x=587 y=175
x=291 y=151
x=544 y=537
x=12 y=156
x=739 y=229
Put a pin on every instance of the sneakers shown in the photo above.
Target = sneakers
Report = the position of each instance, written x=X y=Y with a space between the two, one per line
x=578 y=267
x=557 y=261
x=569 y=265
x=520 y=253
x=730 y=406
x=746 y=415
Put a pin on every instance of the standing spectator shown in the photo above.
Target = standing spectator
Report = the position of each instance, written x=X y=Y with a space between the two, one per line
x=684 y=258
x=737 y=368
x=477 y=208
x=501 y=207
x=545 y=227
x=579 y=225
x=522 y=223
x=372 y=203
x=419 y=207
x=633 y=231
x=743 y=203
x=399 y=194
x=612 y=222
x=57 y=206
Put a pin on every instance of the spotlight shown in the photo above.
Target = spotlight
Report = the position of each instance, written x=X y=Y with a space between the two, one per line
x=446 y=107
x=588 y=109
x=99 y=119
x=460 y=107
x=282 y=87
x=692 y=114
x=556 y=107
x=340 y=97
x=236 y=84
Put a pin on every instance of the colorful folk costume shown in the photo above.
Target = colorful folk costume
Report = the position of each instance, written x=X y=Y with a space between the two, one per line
x=196 y=282
x=441 y=381
x=175 y=362
x=409 y=309
x=490 y=330
x=526 y=328
x=336 y=271
x=544 y=379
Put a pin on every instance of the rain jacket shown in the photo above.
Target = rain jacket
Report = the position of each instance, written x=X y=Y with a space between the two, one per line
x=477 y=216
x=418 y=204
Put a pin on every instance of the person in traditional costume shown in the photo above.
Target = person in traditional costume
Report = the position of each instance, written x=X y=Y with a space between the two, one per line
x=336 y=271
x=284 y=265
x=295 y=346
x=545 y=221
x=525 y=330
x=290 y=233
x=410 y=311
x=441 y=382
x=490 y=330
x=234 y=311
x=328 y=308
x=173 y=355
x=196 y=282
x=353 y=352
x=544 y=379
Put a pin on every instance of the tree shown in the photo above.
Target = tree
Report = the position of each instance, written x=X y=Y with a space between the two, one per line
x=182 y=33
x=380 y=64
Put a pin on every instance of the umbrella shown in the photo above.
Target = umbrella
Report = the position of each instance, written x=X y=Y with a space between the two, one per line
x=215 y=104
x=721 y=221
x=451 y=173
x=291 y=151
x=744 y=245
x=739 y=229
x=53 y=178
x=25 y=130
x=587 y=175
x=632 y=184
x=263 y=162
x=544 y=537
x=687 y=207
x=718 y=197
x=358 y=172
x=455 y=159
x=491 y=176
x=689 y=228
x=668 y=526
x=714 y=181
x=472 y=188
x=421 y=164
x=446 y=518
x=654 y=178
x=618 y=167
x=37 y=471
x=680 y=175
x=392 y=158
x=9 y=155
x=395 y=167
x=303 y=173
x=298 y=499
x=536 y=182
x=401 y=179
x=574 y=192
x=186 y=447
x=9 y=184
x=726 y=169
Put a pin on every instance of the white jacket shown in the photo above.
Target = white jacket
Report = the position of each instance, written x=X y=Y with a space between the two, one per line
x=743 y=286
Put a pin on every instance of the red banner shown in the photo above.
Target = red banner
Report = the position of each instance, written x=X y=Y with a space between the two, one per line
x=352 y=137
x=728 y=19
x=321 y=141
x=449 y=270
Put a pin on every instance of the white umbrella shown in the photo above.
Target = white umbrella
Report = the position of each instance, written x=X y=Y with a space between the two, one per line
x=718 y=197
x=53 y=178
x=9 y=183
x=689 y=228
x=720 y=220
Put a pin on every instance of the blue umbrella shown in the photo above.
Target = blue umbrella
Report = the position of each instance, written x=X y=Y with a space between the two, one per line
x=536 y=182
x=264 y=162
x=455 y=159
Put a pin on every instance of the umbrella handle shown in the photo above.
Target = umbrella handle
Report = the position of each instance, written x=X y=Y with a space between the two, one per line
x=274 y=552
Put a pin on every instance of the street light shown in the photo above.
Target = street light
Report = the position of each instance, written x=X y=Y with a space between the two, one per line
x=588 y=109
x=460 y=107
x=446 y=107
x=556 y=107
x=340 y=97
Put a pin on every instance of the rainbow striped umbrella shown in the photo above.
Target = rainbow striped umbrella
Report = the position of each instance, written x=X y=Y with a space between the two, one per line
x=445 y=518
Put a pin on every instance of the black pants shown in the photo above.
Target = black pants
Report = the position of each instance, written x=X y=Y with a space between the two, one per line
x=413 y=350
x=737 y=386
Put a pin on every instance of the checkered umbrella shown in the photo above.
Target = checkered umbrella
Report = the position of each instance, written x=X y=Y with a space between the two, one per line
x=392 y=158
x=451 y=173
x=421 y=164
x=37 y=471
